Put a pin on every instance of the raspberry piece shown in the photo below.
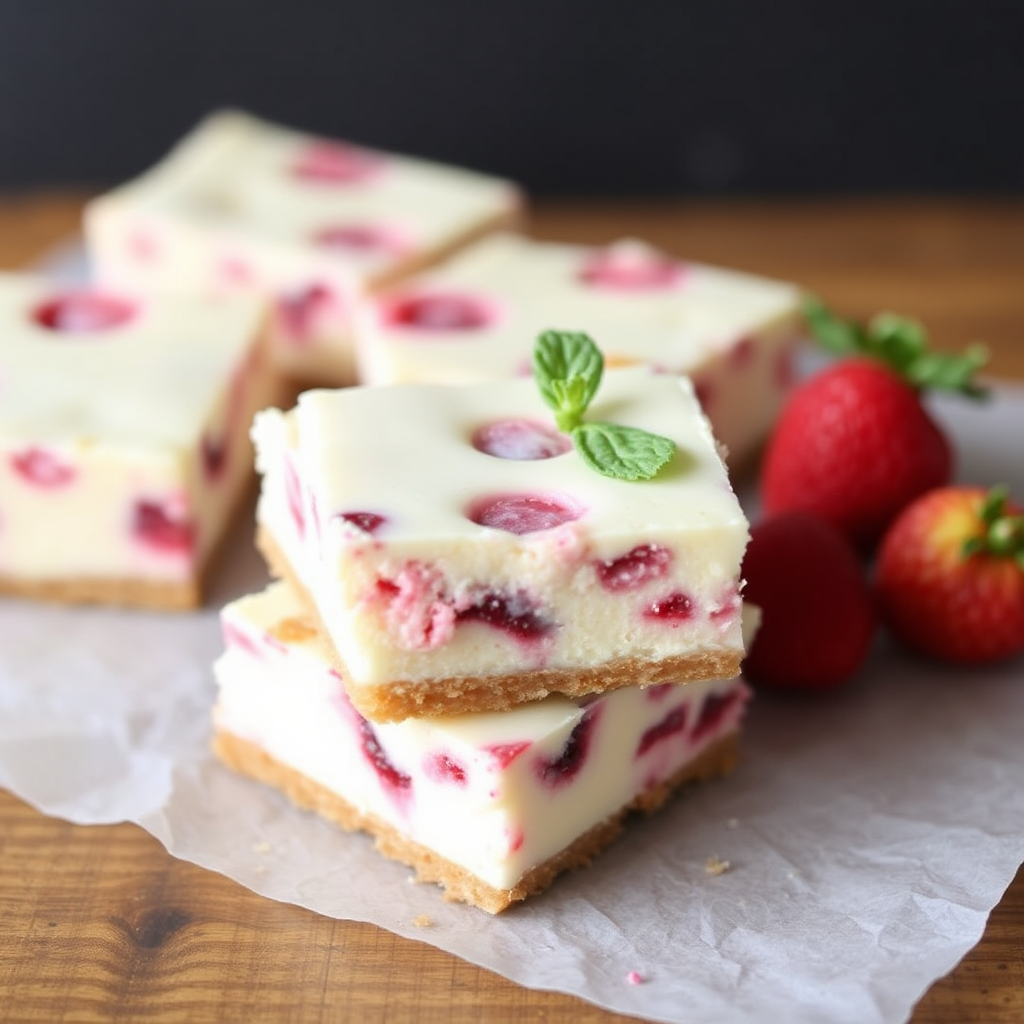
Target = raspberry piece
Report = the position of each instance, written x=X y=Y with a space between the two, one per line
x=158 y=529
x=712 y=711
x=564 y=768
x=516 y=614
x=505 y=753
x=42 y=468
x=523 y=513
x=332 y=163
x=673 y=608
x=368 y=522
x=83 y=313
x=443 y=767
x=299 y=310
x=441 y=313
x=672 y=724
x=631 y=271
x=374 y=753
x=521 y=440
x=632 y=570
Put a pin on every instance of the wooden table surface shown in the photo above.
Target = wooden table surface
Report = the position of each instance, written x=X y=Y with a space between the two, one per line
x=101 y=924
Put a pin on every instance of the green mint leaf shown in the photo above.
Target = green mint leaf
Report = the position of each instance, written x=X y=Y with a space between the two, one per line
x=568 y=367
x=571 y=397
x=624 y=453
x=575 y=361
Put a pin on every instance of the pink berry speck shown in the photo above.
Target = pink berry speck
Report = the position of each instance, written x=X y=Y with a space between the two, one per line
x=523 y=513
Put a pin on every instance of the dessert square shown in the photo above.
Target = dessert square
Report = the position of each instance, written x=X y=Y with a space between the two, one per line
x=124 y=447
x=244 y=204
x=491 y=805
x=471 y=320
x=461 y=555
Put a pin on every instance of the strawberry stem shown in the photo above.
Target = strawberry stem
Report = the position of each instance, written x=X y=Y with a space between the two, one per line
x=902 y=344
x=1003 y=531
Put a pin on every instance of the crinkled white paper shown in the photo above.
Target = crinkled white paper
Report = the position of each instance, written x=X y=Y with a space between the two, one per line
x=869 y=832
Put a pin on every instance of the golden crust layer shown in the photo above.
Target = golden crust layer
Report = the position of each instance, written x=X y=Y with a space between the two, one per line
x=248 y=759
x=159 y=595
x=404 y=698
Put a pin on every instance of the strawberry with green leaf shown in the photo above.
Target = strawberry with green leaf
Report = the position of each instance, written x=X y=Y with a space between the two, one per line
x=950 y=575
x=855 y=444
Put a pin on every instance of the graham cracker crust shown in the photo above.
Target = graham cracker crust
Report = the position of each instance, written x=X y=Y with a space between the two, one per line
x=423 y=698
x=459 y=885
x=156 y=595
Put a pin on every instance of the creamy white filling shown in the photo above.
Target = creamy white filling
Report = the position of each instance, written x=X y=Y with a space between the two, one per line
x=495 y=793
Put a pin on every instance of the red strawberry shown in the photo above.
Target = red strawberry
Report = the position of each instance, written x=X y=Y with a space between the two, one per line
x=950 y=575
x=854 y=443
x=817 y=618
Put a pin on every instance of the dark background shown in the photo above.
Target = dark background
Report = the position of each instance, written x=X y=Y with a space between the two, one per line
x=610 y=97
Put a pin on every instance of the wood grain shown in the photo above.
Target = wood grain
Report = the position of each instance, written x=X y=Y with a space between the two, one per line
x=100 y=924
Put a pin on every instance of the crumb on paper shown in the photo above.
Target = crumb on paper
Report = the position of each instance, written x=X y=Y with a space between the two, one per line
x=262 y=847
x=791 y=875
x=732 y=823
x=635 y=978
x=422 y=921
x=260 y=869
x=716 y=866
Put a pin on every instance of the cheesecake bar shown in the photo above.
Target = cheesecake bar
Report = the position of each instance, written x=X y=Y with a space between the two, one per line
x=472 y=319
x=242 y=204
x=491 y=805
x=124 y=438
x=461 y=555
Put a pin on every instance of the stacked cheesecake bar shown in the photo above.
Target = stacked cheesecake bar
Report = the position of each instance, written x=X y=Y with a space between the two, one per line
x=480 y=650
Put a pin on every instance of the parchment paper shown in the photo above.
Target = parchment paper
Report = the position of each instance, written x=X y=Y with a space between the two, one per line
x=869 y=832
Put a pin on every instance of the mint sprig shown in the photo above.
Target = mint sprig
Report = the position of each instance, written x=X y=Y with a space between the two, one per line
x=902 y=344
x=568 y=367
